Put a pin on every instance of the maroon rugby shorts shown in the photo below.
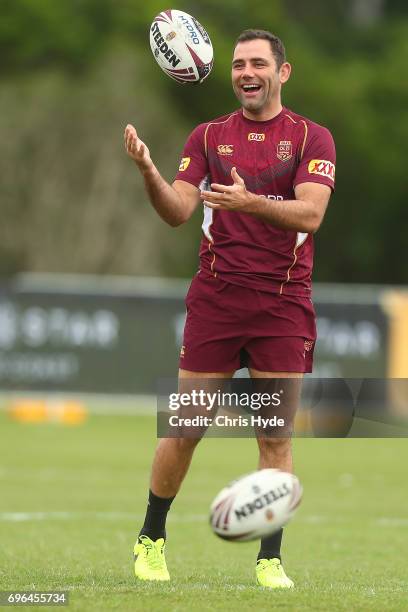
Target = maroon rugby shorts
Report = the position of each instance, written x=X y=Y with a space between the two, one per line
x=229 y=327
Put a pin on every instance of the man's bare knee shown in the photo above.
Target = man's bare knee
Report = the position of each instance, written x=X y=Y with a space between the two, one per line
x=187 y=444
x=178 y=445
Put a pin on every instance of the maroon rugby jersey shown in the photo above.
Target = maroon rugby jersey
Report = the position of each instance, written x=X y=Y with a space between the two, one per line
x=272 y=157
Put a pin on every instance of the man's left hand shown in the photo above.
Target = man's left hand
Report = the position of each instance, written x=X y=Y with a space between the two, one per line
x=229 y=197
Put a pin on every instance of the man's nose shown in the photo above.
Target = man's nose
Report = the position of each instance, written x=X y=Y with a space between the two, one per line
x=248 y=72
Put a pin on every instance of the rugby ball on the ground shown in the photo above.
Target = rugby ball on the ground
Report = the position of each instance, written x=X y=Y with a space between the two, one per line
x=181 y=46
x=255 y=505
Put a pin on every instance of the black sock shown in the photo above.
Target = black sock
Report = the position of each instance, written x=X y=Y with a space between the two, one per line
x=154 y=525
x=270 y=546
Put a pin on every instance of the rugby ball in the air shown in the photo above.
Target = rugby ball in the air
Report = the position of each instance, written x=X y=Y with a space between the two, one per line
x=181 y=46
x=256 y=505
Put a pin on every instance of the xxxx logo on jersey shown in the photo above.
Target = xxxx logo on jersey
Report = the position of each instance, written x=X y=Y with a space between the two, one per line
x=225 y=149
x=322 y=167
x=256 y=137
x=184 y=164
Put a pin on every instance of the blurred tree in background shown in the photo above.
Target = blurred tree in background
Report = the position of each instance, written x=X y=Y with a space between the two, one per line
x=74 y=72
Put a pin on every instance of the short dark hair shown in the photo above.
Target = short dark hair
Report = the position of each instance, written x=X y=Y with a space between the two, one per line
x=277 y=46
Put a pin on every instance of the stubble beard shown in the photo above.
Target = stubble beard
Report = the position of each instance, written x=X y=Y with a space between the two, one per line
x=252 y=106
x=256 y=106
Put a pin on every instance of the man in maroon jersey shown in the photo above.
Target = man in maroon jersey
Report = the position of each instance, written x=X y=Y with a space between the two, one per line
x=265 y=176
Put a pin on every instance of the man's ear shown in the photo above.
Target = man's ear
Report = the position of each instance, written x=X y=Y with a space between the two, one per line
x=284 y=72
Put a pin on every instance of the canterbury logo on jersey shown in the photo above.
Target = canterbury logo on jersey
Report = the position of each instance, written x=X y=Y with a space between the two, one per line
x=225 y=149
x=184 y=164
x=322 y=167
x=256 y=137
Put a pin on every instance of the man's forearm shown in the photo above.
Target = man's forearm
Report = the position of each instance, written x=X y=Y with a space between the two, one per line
x=297 y=215
x=302 y=214
x=165 y=200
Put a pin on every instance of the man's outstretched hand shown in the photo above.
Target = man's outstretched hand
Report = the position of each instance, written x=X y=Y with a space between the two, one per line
x=229 y=197
x=136 y=149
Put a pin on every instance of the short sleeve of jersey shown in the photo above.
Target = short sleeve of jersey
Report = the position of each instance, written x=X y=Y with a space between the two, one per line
x=193 y=166
x=318 y=161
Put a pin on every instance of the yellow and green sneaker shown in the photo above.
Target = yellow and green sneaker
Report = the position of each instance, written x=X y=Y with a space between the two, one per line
x=270 y=573
x=150 y=563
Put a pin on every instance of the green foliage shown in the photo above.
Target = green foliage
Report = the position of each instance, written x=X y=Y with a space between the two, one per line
x=38 y=33
x=73 y=200
x=57 y=58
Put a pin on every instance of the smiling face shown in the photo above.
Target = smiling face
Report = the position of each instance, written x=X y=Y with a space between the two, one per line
x=256 y=79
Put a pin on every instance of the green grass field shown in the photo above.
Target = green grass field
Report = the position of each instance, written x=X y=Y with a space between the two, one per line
x=72 y=500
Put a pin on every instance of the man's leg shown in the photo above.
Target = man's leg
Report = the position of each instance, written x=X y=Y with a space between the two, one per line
x=170 y=465
x=276 y=452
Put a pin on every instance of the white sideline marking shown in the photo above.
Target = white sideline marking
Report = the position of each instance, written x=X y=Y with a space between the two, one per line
x=392 y=521
x=20 y=517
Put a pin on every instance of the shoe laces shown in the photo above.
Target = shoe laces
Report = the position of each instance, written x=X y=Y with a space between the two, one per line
x=154 y=551
x=274 y=564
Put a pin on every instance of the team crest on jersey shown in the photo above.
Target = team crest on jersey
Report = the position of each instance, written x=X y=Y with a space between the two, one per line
x=284 y=150
x=322 y=167
x=225 y=149
x=255 y=136
x=308 y=345
x=184 y=163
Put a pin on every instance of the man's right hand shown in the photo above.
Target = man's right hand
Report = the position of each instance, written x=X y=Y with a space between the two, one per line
x=136 y=149
x=174 y=203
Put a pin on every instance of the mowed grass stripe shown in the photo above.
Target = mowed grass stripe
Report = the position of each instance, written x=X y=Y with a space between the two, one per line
x=18 y=517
